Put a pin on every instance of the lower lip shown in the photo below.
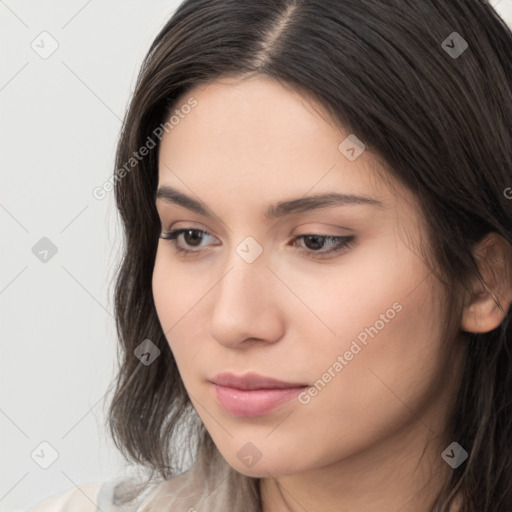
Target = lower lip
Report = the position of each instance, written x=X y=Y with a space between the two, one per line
x=255 y=402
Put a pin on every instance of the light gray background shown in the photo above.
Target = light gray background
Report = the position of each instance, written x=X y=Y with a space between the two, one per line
x=60 y=118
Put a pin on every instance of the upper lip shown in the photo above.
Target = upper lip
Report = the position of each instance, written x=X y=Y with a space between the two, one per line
x=252 y=380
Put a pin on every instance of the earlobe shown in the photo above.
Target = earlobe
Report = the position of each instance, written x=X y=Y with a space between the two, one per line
x=490 y=300
x=483 y=315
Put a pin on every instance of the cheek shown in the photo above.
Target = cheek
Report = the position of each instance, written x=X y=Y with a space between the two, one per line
x=387 y=383
x=376 y=311
x=176 y=290
x=365 y=287
x=177 y=295
x=380 y=385
x=165 y=292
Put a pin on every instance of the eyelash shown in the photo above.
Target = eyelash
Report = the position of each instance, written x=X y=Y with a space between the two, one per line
x=344 y=242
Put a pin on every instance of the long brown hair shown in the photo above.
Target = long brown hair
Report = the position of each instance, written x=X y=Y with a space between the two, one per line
x=439 y=115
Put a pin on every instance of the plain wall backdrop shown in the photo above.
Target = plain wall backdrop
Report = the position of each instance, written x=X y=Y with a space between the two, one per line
x=61 y=114
x=66 y=75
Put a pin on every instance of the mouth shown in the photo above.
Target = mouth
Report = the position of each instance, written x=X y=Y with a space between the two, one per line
x=251 y=394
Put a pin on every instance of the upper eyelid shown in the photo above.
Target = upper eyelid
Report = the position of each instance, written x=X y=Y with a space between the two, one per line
x=292 y=217
x=181 y=231
x=315 y=231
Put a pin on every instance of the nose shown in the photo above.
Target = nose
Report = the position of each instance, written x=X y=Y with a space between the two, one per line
x=246 y=306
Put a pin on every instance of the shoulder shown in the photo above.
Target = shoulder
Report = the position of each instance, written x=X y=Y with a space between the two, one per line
x=210 y=484
x=91 y=497
x=76 y=499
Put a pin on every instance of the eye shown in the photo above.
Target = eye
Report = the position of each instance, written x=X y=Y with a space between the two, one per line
x=335 y=244
x=191 y=237
x=314 y=242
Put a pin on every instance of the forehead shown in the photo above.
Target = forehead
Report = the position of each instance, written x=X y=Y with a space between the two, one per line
x=256 y=140
x=251 y=116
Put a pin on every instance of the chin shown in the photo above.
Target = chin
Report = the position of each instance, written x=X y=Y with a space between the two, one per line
x=263 y=468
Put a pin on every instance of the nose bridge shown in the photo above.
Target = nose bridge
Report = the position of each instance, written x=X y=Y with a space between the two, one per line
x=245 y=303
x=247 y=262
x=246 y=282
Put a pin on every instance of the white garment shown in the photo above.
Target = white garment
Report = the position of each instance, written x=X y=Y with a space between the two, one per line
x=210 y=485
x=90 y=497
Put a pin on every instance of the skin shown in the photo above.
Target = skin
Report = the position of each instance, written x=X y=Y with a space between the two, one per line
x=372 y=438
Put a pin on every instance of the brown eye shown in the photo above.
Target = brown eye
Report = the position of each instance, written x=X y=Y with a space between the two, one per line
x=191 y=238
x=334 y=244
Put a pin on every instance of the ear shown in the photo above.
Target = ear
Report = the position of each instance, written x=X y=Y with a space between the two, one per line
x=489 y=301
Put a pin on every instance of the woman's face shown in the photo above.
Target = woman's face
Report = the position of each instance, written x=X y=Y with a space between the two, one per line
x=325 y=292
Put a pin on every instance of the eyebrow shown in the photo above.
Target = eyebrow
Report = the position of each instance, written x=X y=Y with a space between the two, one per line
x=281 y=209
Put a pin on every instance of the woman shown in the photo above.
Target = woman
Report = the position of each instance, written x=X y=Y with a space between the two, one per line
x=314 y=299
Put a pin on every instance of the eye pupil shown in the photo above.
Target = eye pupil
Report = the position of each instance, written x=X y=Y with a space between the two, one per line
x=318 y=241
x=197 y=238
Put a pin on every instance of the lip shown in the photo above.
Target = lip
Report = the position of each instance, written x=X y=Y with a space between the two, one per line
x=251 y=394
x=251 y=380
